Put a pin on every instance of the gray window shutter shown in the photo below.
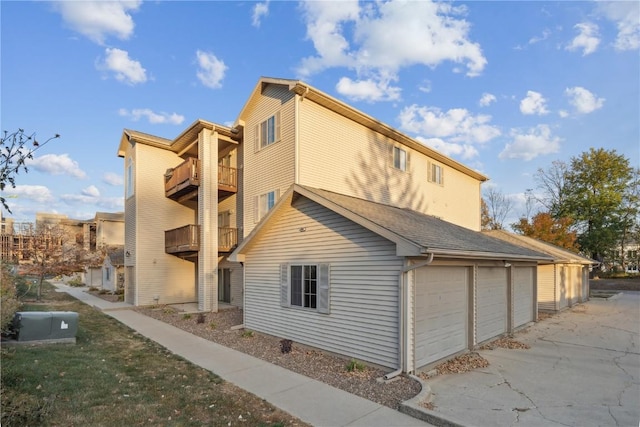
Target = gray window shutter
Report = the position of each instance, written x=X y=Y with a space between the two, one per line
x=284 y=285
x=323 y=289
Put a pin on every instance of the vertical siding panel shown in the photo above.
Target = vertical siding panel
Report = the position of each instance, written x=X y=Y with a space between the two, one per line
x=364 y=284
x=169 y=278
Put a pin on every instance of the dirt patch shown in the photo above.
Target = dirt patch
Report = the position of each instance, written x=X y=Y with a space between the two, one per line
x=622 y=284
x=329 y=368
x=505 y=342
x=463 y=363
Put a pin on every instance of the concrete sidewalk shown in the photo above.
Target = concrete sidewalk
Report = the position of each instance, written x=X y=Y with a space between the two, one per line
x=312 y=401
x=583 y=369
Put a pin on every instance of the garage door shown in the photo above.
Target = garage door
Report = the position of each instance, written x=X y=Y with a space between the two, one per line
x=547 y=287
x=523 y=296
x=440 y=313
x=491 y=303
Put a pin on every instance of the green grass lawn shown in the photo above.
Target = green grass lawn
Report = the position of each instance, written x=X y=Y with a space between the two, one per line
x=113 y=376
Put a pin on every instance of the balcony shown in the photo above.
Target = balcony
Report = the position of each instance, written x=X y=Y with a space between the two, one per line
x=181 y=183
x=184 y=242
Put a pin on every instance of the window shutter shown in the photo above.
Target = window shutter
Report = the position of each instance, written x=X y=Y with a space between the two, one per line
x=284 y=285
x=408 y=161
x=256 y=138
x=429 y=172
x=277 y=127
x=323 y=289
x=442 y=176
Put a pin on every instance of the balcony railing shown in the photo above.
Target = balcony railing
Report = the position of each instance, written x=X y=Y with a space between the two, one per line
x=181 y=183
x=185 y=241
x=227 y=239
x=182 y=241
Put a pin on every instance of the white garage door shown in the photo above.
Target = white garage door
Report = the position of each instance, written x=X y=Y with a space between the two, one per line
x=440 y=313
x=491 y=303
x=522 y=296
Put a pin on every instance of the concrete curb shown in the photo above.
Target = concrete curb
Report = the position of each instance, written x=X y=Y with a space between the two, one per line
x=413 y=407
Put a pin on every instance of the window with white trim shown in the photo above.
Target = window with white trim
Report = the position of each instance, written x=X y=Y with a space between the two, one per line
x=435 y=173
x=305 y=285
x=265 y=202
x=129 y=179
x=399 y=158
x=267 y=132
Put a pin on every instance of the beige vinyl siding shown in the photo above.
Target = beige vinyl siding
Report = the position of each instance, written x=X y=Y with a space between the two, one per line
x=272 y=167
x=363 y=319
x=547 y=292
x=169 y=278
x=130 y=291
x=340 y=155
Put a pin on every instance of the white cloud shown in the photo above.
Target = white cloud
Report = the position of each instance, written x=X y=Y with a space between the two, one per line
x=530 y=144
x=465 y=151
x=153 y=117
x=259 y=10
x=625 y=14
x=487 y=99
x=588 y=38
x=36 y=193
x=211 y=69
x=377 y=39
x=91 y=191
x=88 y=198
x=537 y=39
x=99 y=19
x=113 y=179
x=57 y=164
x=533 y=103
x=584 y=101
x=368 y=90
x=126 y=70
x=425 y=87
x=453 y=126
x=563 y=114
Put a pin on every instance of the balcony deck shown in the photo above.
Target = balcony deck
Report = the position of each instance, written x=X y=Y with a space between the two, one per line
x=185 y=241
x=182 y=182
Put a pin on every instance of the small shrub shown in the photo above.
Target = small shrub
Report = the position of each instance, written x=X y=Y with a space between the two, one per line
x=168 y=310
x=9 y=303
x=355 y=365
x=247 y=333
x=285 y=346
x=75 y=282
x=212 y=325
x=103 y=292
x=186 y=316
x=201 y=318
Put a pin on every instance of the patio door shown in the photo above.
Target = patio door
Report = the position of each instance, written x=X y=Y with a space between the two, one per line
x=224 y=285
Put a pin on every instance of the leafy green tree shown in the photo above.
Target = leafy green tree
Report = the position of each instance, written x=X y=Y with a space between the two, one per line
x=14 y=151
x=596 y=196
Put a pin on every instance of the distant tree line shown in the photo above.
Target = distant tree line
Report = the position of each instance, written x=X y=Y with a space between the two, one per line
x=590 y=205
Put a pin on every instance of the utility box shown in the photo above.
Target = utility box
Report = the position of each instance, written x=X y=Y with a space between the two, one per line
x=59 y=326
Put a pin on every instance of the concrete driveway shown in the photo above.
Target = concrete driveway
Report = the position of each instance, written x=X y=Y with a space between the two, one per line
x=583 y=369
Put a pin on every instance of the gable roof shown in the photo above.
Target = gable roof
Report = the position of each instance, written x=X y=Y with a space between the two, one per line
x=559 y=255
x=414 y=233
x=116 y=256
x=307 y=91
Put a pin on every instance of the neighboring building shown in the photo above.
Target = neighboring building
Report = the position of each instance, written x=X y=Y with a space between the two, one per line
x=625 y=258
x=563 y=282
x=113 y=270
x=374 y=249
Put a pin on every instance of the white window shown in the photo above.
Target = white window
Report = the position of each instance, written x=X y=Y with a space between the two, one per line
x=399 y=158
x=267 y=132
x=265 y=202
x=435 y=173
x=129 y=179
x=305 y=286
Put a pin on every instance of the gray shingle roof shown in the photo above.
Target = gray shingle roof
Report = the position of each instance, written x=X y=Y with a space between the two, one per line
x=434 y=234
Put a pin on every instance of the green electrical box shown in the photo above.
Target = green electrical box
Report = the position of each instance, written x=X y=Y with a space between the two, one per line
x=43 y=326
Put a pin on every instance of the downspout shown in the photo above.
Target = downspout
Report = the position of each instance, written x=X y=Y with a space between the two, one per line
x=404 y=302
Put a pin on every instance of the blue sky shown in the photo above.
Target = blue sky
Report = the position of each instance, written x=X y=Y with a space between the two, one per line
x=504 y=87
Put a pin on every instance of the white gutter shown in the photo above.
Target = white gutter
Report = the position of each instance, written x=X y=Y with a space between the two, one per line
x=404 y=308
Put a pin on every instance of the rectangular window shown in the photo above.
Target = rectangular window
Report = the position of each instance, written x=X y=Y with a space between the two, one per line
x=435 y=174
x=304 y=285
x=264 y=203
x=129 y=178
x=399 y=158
x=267 y=132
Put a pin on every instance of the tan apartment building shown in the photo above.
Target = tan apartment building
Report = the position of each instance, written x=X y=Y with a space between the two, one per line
x=328 y=226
